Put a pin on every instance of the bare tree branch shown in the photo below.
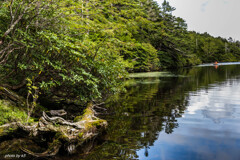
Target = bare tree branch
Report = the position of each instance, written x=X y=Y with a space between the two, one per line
x=12 y=26
x=11 y=12
x=5 y=49
x=5 y=57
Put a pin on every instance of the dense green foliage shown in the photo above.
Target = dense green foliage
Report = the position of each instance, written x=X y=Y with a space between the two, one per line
x=81 y=49
x=210 y=49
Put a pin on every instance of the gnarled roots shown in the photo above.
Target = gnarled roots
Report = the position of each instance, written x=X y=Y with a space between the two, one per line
x=69 y=134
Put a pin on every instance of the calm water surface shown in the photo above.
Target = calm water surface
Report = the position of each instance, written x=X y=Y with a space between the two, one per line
x=190 y=114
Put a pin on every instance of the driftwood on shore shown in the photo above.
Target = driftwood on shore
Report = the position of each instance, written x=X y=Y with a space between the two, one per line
x=69 y=134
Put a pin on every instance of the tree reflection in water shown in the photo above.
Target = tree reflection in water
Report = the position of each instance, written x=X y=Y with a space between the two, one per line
x=151 y=106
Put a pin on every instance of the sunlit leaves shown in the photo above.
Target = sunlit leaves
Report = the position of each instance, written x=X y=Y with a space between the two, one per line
x=85 y=47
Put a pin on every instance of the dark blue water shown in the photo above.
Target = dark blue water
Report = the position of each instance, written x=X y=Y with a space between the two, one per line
x=209 y=128
x=187 y=114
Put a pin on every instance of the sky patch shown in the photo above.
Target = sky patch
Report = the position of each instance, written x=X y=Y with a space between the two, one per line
x=217 y=17
x=204 y=5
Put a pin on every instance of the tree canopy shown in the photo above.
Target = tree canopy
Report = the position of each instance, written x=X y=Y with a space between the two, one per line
x=81 y=49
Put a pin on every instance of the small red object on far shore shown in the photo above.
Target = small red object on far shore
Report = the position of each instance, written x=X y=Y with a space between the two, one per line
x=216 y=63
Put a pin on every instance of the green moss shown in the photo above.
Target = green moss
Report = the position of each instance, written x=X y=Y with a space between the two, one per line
x=1 y=131
x=87 y=112
x=60 y=136
x=78 y=118
x=88 y=125
x=80 y=134
x=11 y=113
x=94 y=124
x=85 y=115
x=98 y=122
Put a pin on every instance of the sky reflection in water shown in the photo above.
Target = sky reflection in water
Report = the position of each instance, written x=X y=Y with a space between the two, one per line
x=186 y=114
x=209 y=128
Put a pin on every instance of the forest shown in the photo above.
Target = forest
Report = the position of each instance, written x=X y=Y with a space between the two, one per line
x=61 y=54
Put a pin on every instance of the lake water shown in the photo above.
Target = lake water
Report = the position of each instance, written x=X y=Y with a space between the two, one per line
x=189 y=114
x=186 y=114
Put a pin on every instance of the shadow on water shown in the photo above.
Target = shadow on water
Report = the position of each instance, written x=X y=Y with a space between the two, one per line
x=153 y=106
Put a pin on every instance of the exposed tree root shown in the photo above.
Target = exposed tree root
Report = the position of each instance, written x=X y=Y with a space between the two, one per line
x=68 y=134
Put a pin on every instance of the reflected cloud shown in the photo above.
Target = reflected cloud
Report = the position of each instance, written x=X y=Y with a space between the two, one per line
x=215 y=103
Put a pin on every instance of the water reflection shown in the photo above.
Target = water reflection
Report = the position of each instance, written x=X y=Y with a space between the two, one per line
x=209 y=128
x=192 y=116
x=220 y=102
